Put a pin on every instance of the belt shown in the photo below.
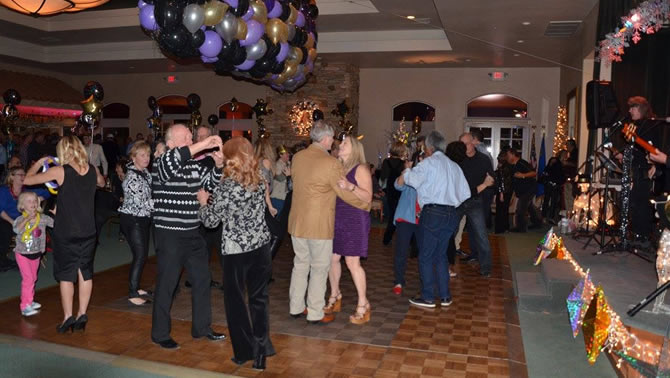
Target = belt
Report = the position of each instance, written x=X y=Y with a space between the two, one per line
x=436 y=206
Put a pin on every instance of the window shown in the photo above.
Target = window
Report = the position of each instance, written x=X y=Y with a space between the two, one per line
x=497 y=106
x=410 y=110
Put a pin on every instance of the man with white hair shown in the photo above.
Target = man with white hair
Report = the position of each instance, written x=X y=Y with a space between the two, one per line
x=312 y=222
x=441 y=188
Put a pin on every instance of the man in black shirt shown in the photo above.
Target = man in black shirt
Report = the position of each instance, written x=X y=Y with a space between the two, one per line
x=479 y=174
x=524 y=185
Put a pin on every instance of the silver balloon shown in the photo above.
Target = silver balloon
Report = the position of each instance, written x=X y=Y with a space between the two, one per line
x=257 y=50
x=291 y=32
x=227 y=28
x=194 y=17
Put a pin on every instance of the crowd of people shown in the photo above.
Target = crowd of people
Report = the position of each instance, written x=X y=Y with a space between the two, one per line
x=198 y=195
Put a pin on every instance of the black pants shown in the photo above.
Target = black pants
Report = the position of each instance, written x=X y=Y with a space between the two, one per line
x=213 y=241
x=641 y=212
x=523 y=205
x=390 y=227
x=174 y=250
x=136 y=231
x=502 y=212
x=6 y=233
x=487 y=199
x=552 y=198
x=249 y=327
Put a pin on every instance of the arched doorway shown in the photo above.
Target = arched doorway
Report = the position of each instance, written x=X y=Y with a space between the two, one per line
x=235 y=119
x=115 y=121
x=502 y=119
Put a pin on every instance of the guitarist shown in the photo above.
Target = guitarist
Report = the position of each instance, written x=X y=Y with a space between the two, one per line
x=649 y=129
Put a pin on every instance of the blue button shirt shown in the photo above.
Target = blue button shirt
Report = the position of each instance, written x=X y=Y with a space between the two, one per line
x=438 y=180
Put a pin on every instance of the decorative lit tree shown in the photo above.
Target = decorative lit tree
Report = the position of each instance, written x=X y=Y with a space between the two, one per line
x=561 y=133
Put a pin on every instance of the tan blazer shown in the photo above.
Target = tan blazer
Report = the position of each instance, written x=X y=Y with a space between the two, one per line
x=315 y=174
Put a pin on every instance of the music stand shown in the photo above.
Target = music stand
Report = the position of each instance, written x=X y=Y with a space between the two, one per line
x=610 y=167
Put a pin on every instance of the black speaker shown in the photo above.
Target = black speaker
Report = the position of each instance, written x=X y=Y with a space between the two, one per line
x=601 y=104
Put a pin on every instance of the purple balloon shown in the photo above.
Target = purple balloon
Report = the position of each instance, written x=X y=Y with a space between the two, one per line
x=269 y=4
x=250 y=13
x=246 y=65
x=206 y=59
x=310 y=65
x=283 y=51
x=255 y=31
x=300 y=21
x=274 y=77
x=275 y=11
x=141 y=4
x=232 y=3
x=212 y=45
x=147 y=19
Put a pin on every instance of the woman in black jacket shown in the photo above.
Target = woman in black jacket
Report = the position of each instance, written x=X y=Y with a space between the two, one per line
x=391 y=169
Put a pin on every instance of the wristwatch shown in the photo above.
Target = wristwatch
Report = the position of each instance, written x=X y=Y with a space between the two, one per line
x=353 y=188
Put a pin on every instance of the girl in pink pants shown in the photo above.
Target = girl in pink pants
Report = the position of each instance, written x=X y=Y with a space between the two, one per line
x=30 y=229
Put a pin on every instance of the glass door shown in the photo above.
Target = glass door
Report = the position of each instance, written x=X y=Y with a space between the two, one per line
x=501 y=133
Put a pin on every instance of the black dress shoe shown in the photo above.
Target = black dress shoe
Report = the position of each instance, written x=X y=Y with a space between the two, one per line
x=68 y=325
x=215 y=336
x=214 y=284
x=259 y=362
x=167 y=344
x=80 y=324
x=300 y=315
x=239 y=362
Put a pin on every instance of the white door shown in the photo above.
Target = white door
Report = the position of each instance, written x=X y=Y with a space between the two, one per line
x=503 y=132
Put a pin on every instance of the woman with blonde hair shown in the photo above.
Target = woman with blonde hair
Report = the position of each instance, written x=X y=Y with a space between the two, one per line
x=265 y=155
x=239 y=204
x=352 y=227
x=74 y=231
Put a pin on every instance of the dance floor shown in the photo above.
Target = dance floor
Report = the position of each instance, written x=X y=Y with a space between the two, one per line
x=477 y=336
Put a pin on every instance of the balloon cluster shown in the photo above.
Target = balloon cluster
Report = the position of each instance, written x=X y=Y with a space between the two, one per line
x=273 y=41
x=193 y=102
x=213 y=119
x=154 y=121
x=261 y=109
x=91 y=106
x=51 y=161
x=9 y=112
x=342 y=110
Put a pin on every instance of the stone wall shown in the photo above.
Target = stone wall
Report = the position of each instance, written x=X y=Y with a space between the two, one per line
x=330 y=84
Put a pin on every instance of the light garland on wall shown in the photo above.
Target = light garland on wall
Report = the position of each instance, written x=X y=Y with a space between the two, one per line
x=619 y=341
x=648 y=18
x=301 y=117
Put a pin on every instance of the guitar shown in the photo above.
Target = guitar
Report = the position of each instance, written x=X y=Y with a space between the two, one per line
x=629 y=132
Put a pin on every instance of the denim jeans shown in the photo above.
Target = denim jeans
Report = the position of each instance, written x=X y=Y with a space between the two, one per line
x=523 y=205
x=436 y=225
x=404 y=232
x=473 y=210
x=277 y=204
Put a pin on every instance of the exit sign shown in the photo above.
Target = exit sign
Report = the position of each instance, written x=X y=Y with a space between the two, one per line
x=498 y=75
x=171 y=79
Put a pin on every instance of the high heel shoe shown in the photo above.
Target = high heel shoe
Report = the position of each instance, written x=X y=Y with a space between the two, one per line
x=361 y=317
x=259 y=362
x=334 y=304
x=80 y=324
x=68 y=324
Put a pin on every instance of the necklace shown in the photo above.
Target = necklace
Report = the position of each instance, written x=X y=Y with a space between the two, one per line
x=29 y=228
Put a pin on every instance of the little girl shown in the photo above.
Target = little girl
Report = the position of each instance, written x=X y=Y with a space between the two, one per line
x=30 y=244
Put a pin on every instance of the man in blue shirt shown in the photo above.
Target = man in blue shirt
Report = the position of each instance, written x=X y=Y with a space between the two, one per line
x=441 y=188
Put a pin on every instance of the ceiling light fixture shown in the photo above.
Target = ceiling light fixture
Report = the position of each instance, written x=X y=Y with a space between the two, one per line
x=516 y=54
x=411 y=17
x=50 y=7
x=520 y=41
x=525 y=23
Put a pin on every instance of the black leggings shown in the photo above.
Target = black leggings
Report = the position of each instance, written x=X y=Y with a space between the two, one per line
x=136 y=231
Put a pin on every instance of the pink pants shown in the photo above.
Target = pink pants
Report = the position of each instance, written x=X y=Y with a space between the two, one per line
x=28 y=269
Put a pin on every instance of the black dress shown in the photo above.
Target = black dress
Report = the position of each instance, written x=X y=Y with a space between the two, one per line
x=74 y=230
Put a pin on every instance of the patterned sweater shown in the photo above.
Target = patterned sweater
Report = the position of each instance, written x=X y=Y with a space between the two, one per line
x=176 y=179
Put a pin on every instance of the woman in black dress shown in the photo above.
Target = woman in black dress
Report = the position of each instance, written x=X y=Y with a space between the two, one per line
x=391 y=169
x=74 y=235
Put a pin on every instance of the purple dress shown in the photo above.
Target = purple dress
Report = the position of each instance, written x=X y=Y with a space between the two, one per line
x=352 y=226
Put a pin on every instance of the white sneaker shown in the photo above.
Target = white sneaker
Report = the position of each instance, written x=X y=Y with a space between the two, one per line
x=36 y=306
x=28 y=311
x=452 y=274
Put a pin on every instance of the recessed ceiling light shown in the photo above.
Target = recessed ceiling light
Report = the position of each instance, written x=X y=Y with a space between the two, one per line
x=411 y=17
x=131 y=67
x=520 y=41
x=468 y=60
x=516 y=54
x=525 y=23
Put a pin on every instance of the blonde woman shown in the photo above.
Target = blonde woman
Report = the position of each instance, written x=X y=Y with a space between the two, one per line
x=352 y=227
x=74 y=231
x=266 y=157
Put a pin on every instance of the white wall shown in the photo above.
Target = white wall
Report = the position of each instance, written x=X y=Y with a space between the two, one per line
x=449 y=90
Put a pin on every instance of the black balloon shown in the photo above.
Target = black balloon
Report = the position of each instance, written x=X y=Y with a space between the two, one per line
x=242 y=8
x=239 y=57
x=278 y=67
x=285 y=12
x=312 y=11
x=305 y=55
x=93 y=88
x=222 y=67
x=300 y=37
x=212 y=119
x=256 y=73
x=151 y=101
x=272 y=49
x=193 y=101
x=12 y=97
x=317 y=115
x=176 y=41
x=197 y=38
x=151 y=2
x=265 y=65
x=228 y=49
x=168 y=13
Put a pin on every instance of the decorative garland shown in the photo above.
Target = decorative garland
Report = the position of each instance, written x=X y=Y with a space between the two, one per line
x=28 y=233
x=301 y=117
x=648 y=18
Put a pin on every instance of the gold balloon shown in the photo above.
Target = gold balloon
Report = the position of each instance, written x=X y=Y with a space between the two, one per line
x=214 y=12
x=260 y=11
x=294 y=55
x=293 y=16
x=289 y=71
x=310 y=41
x=311 y=53
x=276 y=30
x=91 y=106
x=281 y=78
x=241 y=29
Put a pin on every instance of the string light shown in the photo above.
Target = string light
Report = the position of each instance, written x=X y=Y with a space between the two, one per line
x=301 y=117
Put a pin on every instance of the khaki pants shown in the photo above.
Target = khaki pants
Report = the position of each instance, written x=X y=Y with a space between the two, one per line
x=311 y=261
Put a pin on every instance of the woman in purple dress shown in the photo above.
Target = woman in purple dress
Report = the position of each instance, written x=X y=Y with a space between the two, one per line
x=352 y=227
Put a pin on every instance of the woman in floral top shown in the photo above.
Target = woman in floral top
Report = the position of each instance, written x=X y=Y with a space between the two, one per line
x=239 y=204
x=135 y=213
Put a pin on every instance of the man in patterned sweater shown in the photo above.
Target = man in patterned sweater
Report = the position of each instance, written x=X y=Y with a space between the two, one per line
x=177 y=178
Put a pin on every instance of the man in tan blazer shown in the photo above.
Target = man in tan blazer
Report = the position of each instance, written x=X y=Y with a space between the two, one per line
x=311 y=222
